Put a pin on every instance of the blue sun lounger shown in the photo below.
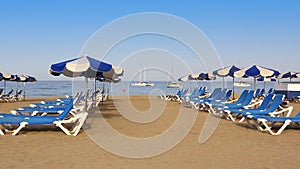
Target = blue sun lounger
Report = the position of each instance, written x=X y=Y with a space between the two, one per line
x=267 y=123
x=59 y=121
x=233 y=114
x=35 y=111
x=214 y=95
x=271 y=109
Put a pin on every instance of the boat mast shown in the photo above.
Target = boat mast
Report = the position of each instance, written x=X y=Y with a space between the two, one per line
x=145 y=73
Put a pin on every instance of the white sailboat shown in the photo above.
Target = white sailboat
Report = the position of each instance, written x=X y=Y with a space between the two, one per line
x=173 y=84
x=143 y=83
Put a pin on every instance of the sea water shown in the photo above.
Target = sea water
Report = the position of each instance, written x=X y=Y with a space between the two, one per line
x=61 y=88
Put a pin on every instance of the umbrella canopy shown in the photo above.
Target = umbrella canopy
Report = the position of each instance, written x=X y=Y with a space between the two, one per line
x=7 y=76
x=265 y=79
x=256 y=71
x=197 y=76
x=206 y=76
x=26 y=78
x=85 y=66
x=289 y=74
x=226 y=71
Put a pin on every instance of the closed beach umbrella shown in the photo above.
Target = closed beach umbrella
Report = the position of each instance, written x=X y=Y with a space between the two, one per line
x=87 y=67
x=227 y=71
x=256 y=71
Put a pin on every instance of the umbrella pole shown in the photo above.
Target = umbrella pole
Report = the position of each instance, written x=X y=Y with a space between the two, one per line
x=17 y=87
x=86 y=93
x=223 y=82
x=24 y=90
x=4 y=86
x=103 y=92
x=254 y=83
x=233 y=88
x=94 y=95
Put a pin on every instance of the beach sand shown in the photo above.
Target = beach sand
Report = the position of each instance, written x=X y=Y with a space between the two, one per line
x=231 y=145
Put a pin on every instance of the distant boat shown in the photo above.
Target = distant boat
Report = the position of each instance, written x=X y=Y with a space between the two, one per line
x=142 y=83
x=241 y=84
x=173 y=84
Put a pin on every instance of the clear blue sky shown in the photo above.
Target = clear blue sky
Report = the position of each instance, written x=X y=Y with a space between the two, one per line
x=35 y=34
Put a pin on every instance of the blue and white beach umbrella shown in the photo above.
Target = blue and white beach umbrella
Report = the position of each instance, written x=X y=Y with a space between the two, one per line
x=197 y=76
x=7 y=77
x=289 y=74
x=206 y=76
x=256 y=71
x=87 y=67
x=188 y=77
x=227 y=71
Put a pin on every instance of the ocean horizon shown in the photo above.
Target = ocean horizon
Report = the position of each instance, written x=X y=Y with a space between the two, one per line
x=45 y=88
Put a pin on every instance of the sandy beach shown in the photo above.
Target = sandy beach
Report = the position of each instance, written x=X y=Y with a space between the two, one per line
x=231 y=145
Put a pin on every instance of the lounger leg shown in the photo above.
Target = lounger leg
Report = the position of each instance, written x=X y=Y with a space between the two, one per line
x=228 y=115
x=269 y=129
x=81 y=122
x=65 y=130
x=242 y=119
x=22 y=125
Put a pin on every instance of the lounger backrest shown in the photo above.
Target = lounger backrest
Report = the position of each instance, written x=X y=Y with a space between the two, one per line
x=243 y=96
x=275 y=103
x=220 y=95
x=271 y=91
x=215 y=92
x=66 y=111
x=249 y=97
x=262 y=92
x=184 y=92
x=10 y=92
x=179 y=92
x=202 y=91
x=227 y=96
x=257 y=92
x=267 y=100
x=194 y=91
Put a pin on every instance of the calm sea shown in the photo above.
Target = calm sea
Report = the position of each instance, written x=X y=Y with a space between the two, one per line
x=60 y=88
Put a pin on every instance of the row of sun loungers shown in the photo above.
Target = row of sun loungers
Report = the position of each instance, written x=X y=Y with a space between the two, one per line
x=9 y=97
x=69 y=114
x=264 y=111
